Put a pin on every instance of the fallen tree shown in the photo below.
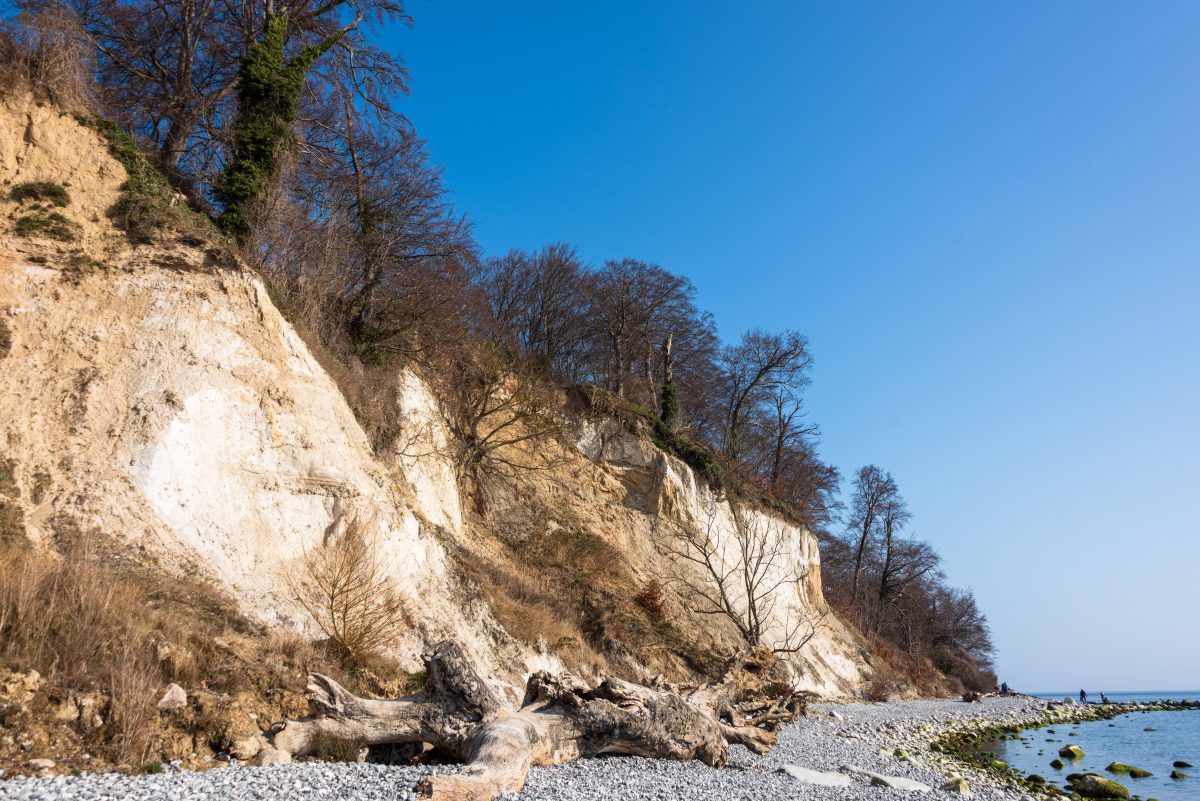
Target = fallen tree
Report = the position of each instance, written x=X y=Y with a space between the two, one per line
x=562 y=718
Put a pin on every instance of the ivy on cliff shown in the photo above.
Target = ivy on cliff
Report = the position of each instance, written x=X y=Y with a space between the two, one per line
x=268 y=98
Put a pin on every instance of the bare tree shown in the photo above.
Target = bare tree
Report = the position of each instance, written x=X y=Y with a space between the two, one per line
x=349 y=591
x=537 y=300
x=498 y=410
x=745 y=578
x=168 y=69
x=633 y=307
x=753 y=372
x=872 y=489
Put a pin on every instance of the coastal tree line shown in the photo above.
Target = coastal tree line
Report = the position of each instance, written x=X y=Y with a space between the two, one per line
x=280 y=118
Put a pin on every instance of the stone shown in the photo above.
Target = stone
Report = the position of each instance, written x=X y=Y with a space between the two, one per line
x=900 y=783
x=1139 y=773
x=957 y=785
x=40 y=764
x=999 y=765
x=1179 y=763
x=1178 y=774
x=1117 y=767
x=1035 y=778
x=173 y=698
x=1057 y=764
x=1071 y=752
x=1093 y=785
x=245 y=748
x=809 y=776
x=272 y=756
x=893 y=782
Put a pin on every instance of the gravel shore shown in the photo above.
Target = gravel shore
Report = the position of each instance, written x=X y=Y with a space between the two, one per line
x=820 y=742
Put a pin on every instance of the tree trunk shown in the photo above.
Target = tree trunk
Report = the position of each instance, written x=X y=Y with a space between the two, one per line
x=561 y=719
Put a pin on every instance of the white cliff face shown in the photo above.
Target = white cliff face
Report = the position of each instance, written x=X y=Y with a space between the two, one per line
x=830 y=662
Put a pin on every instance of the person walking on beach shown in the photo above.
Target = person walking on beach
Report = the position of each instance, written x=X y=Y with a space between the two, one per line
x=1082 y=697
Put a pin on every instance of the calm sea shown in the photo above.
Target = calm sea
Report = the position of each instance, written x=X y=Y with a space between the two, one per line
x=1175 y=736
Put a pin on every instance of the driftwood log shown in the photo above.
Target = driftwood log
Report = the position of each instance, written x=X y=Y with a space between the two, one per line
x=561 y=718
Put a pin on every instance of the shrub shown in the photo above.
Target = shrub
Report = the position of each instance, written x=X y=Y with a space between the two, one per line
x=148 y=201
x=651 y=599
x=45 y=59
x=51 y=226
x=48 y=191
x=350 y=594
x=12 y=523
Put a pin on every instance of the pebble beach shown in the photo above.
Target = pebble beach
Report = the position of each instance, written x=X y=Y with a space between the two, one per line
x=840 y=751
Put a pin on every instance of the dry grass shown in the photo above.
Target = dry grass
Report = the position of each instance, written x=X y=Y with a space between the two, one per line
x=91 y=621
x=69 y=619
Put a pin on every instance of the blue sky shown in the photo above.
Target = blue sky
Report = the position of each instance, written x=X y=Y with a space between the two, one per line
x=984 y=216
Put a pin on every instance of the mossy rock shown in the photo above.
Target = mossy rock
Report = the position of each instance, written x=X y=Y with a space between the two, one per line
x=1139 y=773
x=1093 y=785
x=1057 y=764
x=1117 y=767
x=1071 y=752
x=1179 y=763
x=1178 y=774
x=1035 y=778
x=998 y=765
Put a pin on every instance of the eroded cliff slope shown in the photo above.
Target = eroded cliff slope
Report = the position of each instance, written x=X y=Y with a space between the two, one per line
x=152 y=395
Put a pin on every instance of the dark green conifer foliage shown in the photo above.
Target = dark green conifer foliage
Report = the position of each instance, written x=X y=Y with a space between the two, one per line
x=269 y=87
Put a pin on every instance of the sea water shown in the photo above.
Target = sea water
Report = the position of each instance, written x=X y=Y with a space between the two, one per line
x=1175 y=736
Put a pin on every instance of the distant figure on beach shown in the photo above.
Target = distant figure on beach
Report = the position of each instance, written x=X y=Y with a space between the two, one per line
x=1082 y=697
x=1103 y=697
x=1004 y=688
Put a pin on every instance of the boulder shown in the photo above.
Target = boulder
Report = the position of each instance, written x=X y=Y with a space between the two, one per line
x=40 y=764
x=272 y=756
x=1178 y=774
x=1117 y=767
x=958 y=786
x=1035 y=778
x=1071 y=752
x=1139 y=773
x=1057 y=764
x=809 y=776
x=1093 y=785
x=1179 y=763
x=245 y=748
x=173 y=698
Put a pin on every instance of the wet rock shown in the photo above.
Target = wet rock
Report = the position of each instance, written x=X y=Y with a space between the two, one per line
x=1071 y=752
x=1178 y=774
x=1179 y=763
x=1057 y=764
x=1093 y=785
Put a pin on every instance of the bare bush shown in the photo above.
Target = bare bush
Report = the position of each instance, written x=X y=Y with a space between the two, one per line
x=348 y=589
x=43 y=56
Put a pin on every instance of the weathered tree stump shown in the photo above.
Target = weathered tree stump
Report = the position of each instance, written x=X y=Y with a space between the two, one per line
x=561 y=718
